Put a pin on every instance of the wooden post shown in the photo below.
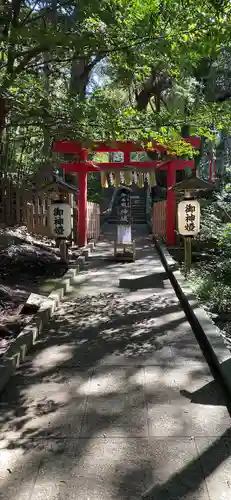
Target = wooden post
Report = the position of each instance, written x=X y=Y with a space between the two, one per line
x=82 y=202
x=63 y=247
x=171 y=205
x=187 y=254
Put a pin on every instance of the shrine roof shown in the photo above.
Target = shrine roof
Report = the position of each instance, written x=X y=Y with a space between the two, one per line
x=194 y=183
x=57 y=182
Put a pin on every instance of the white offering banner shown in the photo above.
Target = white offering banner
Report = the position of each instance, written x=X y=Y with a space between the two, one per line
x=124 y=234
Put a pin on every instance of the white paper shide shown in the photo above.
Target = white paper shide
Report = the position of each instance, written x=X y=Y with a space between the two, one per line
x=60 y=220
x=189 y=217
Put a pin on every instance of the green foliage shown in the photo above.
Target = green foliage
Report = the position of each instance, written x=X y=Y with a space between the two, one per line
x=94 y=188
x=128 y=70
x=212 y=226
x=211 y=290
x=211 y=280
x=154 y=50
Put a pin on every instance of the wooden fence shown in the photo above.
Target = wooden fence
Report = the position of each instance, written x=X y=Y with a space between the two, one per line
x=11 y=202
x=36 y=213
x=93 y=220
x=159 y=219
x=36 y=217
x=17 y=207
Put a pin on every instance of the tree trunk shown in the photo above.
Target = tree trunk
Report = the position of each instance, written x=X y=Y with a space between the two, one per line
x=3 y=115
x=80 y=75
x=46 y=132
x=51 y=18
x=79 y=78
x=143 y=99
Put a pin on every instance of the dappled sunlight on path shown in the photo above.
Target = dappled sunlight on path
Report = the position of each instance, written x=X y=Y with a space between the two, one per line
x=116 y=401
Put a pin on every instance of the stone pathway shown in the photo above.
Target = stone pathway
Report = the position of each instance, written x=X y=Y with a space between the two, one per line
x=116 y=401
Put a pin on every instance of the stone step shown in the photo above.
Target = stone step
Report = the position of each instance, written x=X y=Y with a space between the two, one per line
x=137 y=221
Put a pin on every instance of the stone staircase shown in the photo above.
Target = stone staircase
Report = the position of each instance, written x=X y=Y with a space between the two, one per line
x=138 y=205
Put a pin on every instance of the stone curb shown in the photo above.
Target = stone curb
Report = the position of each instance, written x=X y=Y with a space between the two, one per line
x=17 y=351
x=207 y=334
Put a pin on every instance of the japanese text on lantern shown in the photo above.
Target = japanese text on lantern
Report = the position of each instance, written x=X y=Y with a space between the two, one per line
x=189 y=217
x=60 y=220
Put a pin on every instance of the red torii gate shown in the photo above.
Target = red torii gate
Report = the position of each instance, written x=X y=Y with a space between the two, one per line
x=83 y=166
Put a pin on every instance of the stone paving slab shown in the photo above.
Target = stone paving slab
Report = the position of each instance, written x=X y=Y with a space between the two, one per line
x=97 y=469
x=19 y=467
x=177 y=473
x=215 y=459
x=184 y=420
x=43 y=404
x=145 y=273
x=116 y=401
x=115 y=468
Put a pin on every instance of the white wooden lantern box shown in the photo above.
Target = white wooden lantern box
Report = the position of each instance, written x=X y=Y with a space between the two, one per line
x=60 y=220
x=189 y=217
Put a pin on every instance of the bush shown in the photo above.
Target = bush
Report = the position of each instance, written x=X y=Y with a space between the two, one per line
x=212 y=293
x=211 y=222
x=212 y=280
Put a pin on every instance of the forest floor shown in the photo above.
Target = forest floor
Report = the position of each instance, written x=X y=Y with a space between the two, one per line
x=26 y=263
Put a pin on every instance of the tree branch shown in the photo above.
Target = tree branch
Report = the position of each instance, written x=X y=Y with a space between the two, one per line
x=27 y=17
x=39 y=16
x=30 y=54
x=101 y=52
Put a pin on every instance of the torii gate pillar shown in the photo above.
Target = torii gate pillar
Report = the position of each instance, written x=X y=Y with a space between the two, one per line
x=81 y=168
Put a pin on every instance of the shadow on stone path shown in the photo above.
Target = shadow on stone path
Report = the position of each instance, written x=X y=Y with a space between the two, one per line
x=116 y=401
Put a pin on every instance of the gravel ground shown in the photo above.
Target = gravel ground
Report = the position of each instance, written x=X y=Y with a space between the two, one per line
x=25 y=262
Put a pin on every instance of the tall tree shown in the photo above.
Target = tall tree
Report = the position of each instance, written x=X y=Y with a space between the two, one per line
x=153 y=51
